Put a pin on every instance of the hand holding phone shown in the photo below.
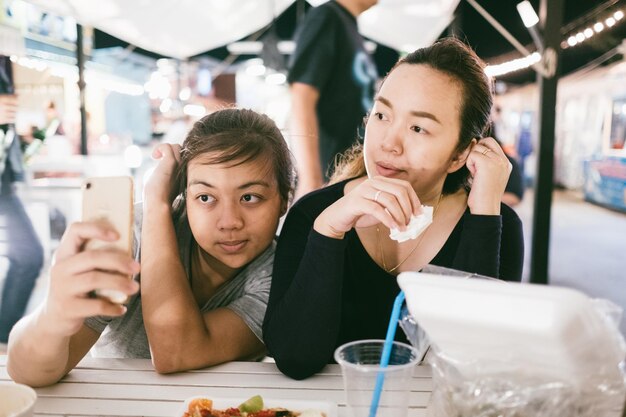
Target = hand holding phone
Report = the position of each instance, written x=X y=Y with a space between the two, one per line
x=76 y=272
x=110 y=199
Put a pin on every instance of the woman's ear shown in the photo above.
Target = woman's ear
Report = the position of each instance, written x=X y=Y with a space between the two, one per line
x=459 y=160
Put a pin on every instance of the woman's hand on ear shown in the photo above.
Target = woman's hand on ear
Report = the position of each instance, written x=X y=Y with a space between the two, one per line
x=490 y=169
x=159 y=186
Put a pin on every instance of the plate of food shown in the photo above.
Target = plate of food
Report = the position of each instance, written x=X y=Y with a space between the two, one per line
x=256 y=406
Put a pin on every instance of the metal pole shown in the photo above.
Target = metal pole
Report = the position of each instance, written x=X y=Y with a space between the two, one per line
x=551 y=17
x=80 y=62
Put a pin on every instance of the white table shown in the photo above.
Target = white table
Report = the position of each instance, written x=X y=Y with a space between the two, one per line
x=131 y=387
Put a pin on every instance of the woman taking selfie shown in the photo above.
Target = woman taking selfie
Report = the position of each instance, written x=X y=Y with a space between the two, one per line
x=210 y=214
x=335 y=269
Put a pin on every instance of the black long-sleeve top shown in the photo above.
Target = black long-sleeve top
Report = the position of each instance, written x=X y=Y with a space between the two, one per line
x=326 y=292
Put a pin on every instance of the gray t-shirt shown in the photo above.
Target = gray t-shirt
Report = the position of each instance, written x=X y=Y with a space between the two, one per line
x=246 y=294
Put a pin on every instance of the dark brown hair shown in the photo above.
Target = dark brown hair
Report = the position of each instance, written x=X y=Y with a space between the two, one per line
x=459 y=61
x=237 y=136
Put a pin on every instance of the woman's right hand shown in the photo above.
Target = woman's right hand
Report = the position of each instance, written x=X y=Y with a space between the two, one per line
x=76 y=273
x=384 y=200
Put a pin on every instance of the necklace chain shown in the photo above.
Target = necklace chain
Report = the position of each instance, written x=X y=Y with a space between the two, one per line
x=380 y=243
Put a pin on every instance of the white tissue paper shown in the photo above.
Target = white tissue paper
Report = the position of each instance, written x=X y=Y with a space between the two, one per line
x=415 y=227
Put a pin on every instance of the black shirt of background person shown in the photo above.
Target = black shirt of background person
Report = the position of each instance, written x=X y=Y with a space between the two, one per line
x=326 y=292
x=330 y=56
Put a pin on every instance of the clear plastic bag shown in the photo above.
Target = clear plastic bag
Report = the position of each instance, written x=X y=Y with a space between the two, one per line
x=508 y=395
x=507 y=388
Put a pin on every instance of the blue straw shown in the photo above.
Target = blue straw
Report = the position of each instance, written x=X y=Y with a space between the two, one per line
x=384 y=359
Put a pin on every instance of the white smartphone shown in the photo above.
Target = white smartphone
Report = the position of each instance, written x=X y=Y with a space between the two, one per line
x=110 y=199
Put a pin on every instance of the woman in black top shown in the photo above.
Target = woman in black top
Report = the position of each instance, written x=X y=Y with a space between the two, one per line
x=335 y=267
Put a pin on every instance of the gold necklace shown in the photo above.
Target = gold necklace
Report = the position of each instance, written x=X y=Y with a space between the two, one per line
x=380 y=243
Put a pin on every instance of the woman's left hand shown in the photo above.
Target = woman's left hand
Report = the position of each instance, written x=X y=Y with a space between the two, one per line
x=158 y=188
x=490 y=169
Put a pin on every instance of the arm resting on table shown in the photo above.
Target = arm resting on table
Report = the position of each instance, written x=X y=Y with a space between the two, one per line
x=38 y=358
x=303 y=316
x=180 y=336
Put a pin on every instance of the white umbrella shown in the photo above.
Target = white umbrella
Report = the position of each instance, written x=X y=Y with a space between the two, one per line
x=184 y=28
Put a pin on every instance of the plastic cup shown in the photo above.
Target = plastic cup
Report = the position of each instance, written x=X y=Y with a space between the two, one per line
x=16 y=400
x=360 y=366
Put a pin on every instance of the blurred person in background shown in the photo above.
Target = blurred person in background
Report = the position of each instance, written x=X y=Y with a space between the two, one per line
x=19 y=243
x=54 y=124
x=332 y=81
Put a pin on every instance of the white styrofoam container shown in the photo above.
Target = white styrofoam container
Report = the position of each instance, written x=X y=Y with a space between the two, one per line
x=491 y=327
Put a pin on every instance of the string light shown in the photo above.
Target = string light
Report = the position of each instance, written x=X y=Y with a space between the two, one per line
x=570 y=41
x=597 y=27
x=514 y=65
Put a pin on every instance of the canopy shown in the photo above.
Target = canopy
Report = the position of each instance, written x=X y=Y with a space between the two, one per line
x=183 y=28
